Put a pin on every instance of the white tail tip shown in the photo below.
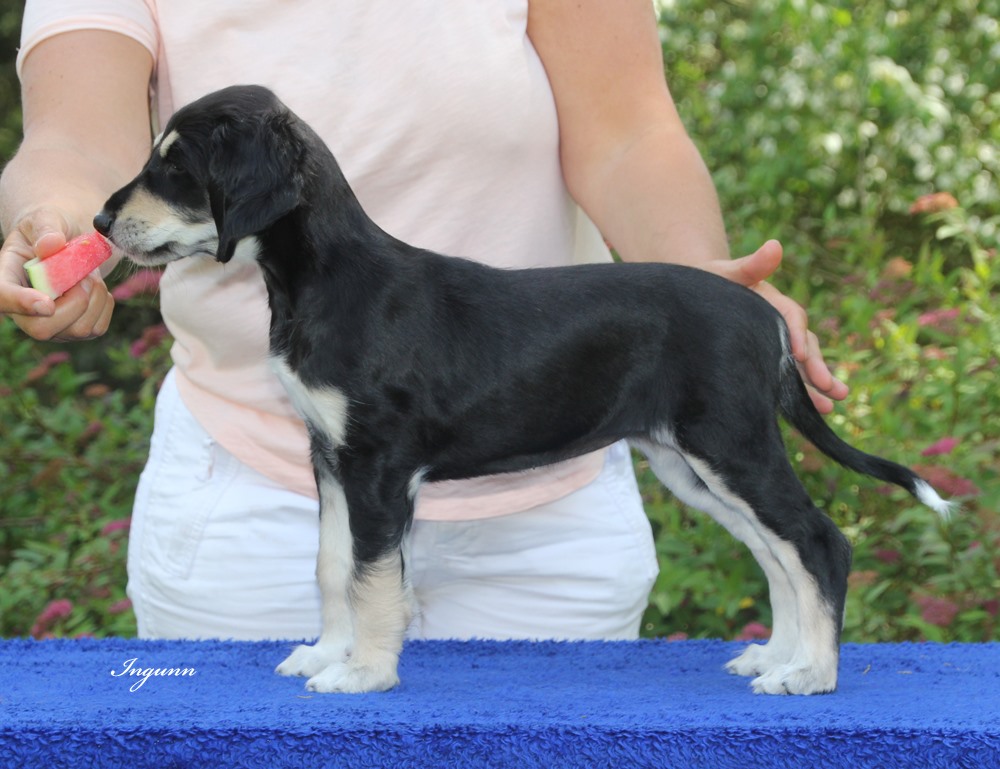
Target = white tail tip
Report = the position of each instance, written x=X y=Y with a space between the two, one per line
x=926 y=494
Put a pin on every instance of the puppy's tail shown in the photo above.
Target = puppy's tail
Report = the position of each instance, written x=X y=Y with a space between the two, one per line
x=797 y=407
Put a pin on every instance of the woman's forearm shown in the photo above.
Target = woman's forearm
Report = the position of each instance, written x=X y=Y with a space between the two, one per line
x=655 y=201
x=86 y=125
x=60 y=178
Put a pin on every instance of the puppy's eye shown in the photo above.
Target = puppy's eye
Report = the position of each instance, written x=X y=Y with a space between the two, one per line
x=173 y=167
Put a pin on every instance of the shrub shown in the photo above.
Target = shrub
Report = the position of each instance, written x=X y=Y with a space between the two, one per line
x=76 y=421
x=864 y=137
x=869 y=149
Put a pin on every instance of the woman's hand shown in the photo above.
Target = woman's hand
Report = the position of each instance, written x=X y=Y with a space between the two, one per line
x=752 y=271
x=72 y=157
x=83 y=312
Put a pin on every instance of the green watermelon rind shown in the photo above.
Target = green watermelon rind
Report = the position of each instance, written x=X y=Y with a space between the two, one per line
x=38 y=278
x=38 y=269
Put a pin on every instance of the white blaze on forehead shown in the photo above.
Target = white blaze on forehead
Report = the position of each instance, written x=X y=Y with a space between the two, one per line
x=166 y=142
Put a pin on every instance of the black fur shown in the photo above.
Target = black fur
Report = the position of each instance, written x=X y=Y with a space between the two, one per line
x=453 y=369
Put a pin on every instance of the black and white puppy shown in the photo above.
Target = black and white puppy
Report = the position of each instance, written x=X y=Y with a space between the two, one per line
x=408 y=366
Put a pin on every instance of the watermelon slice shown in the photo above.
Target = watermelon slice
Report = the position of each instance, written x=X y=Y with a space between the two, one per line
x=56 y=274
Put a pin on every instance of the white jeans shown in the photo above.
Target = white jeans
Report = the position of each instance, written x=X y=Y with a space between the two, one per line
x=218 y=550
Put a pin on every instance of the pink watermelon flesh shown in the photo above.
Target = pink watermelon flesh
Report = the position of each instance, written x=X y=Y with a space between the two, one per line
x=55 y=275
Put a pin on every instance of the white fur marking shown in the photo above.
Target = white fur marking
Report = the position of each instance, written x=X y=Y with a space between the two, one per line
x=383 y=608
x=151 y=232
x=360 y=655
x=798 y=658
x=335 y=573
x=672 y=468
x=415 y=482
x=929 y=497
x=166 y=143
x=335 y=565
x=247 y=250
x=813 y=663
x=325 y=408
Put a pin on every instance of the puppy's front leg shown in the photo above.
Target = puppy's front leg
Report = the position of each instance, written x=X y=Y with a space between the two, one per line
x=382 y=613
x=335 y=572
x=366 y=601
x=380 y=502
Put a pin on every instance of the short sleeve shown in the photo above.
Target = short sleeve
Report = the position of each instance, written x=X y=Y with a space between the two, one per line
x=46 y=18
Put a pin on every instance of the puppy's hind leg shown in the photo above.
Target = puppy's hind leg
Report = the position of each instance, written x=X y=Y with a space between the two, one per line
x=816 y=556
x=671 y=466
x=765 y=500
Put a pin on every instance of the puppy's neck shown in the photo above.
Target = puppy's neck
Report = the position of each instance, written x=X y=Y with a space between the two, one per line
x=320 y=261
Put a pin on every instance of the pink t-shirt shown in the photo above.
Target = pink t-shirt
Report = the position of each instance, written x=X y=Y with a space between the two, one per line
x=443 y=121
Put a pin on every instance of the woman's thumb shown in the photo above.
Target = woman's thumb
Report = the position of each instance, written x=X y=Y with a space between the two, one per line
x=46 y=230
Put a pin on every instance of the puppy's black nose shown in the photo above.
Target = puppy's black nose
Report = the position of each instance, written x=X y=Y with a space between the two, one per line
x=103 y=222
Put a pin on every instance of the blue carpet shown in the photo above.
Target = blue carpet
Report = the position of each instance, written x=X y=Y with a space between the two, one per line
x=493 y=704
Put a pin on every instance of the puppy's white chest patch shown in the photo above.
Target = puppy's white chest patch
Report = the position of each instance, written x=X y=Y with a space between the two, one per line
x=323 y=407
x=247 y=250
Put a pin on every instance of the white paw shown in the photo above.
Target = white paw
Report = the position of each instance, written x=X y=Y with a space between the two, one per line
x=309 y=660
x=349 y=678
x=756 y=660
x=797 y=679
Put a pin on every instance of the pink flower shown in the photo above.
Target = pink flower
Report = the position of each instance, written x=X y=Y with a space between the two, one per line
x=55 y=611
x=889 y=556
x=937 y=611
x=943 y=446
x=754 y=631
x=947 y=482
x=897 y=267
x=881 y=316
x=96 y=390
x=151 y=338
x=141 y=283
x=55 y=358
x=120 y=607
x=862 y=578
x=90 y=432
x=122 y=524
x=934 y=203
x=43 y=368
x=830 y=326
x=932 y=352
x=942 y=320
x=678 y=636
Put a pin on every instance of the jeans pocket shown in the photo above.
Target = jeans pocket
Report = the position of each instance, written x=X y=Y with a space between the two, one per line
x=192 y=509
x=185 y=478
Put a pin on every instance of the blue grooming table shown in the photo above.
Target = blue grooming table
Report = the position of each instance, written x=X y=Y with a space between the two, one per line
x=492 y=704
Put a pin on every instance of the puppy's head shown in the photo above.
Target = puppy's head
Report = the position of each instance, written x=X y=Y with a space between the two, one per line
x=225 y=168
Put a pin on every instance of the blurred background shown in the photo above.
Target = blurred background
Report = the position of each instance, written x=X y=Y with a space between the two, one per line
x=864 y=136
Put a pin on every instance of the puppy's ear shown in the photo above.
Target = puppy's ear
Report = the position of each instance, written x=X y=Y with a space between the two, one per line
x=254 y=178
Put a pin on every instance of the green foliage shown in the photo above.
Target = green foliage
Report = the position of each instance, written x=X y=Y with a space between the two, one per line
x=75 y=421
x=830 y=127
x=823 y=124
x=10 y=103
